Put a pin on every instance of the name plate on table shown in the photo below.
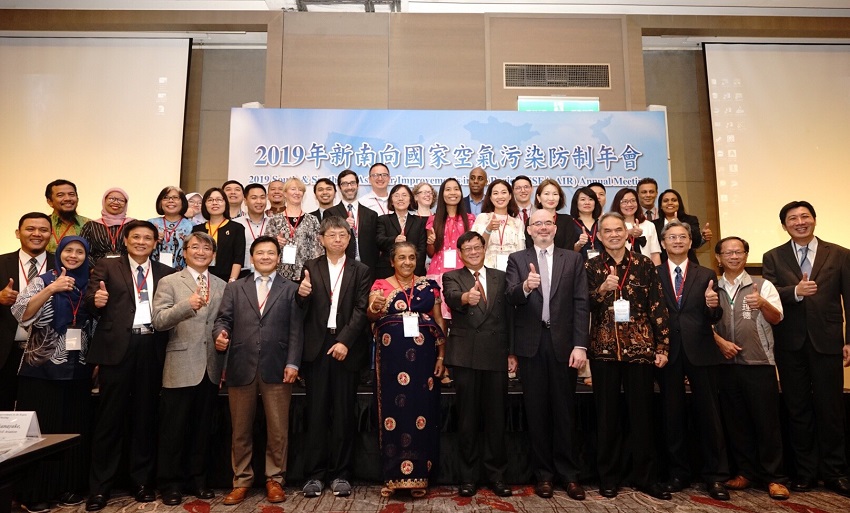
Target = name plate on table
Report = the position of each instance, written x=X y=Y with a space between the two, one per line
x=18 y=425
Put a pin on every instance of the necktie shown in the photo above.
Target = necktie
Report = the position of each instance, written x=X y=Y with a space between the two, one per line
x=544 y=282
x=33 y=270
x=805 y=262
x=204 y=292
x=678 y=285
x=480 y=287
x=649 y=215
x=141 y=284
x=263 y=293
x=356 y=242
x=524 y=216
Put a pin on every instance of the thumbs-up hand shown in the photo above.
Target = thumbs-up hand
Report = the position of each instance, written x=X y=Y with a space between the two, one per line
x=101 y=296
x=533 y=279
x=706 y=233
x=222 y=341
x=473 y=297
x=306 y=287
x=350 y=219
x=432 y=237
x=63 y=282
x=612 y=281
x=8 y=295
x=712 y=299
x=754 y=299
x=806 y=287
x=494 y=223
x=635 y=231
x=400 y=238
x=582 y=239
x=196 y=300
x=377 y=302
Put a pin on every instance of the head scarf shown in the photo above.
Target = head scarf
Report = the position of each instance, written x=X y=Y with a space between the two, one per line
x=65 y=302
x=115 y=219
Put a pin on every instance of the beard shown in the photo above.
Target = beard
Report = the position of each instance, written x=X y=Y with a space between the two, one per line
x=68 y=217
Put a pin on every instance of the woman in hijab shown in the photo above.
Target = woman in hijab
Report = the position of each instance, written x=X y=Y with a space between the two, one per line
x=54 y=379
x=104 y=234
x=193 y=213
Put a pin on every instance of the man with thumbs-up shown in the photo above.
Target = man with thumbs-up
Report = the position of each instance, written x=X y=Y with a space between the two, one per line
x=813 y=280
x=548 y=287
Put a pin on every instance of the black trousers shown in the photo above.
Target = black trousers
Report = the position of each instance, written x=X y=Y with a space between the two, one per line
x=9 y=378
x=480 y=399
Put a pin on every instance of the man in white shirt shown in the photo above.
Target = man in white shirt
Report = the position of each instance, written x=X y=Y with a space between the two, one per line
x=363 y=221
x=378 y=197
x=522 y=190
x=256 y=220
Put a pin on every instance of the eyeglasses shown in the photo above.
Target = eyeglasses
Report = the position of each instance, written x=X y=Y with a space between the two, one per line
x=120 y=201
x=195 y=202
x=380 y=175
x=472 y=249
x=538 y=224
x=522 y=187
x=630 y=201
x=352 y=183
x=171 y=198
x=215 y=200
x=676 y=237
x=733 y=253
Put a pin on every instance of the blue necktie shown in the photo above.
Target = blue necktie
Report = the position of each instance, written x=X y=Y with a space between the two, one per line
x=678 y=285
x=141 y=283
x=805 y=261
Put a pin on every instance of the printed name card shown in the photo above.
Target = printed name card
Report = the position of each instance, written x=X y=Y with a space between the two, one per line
x=18 y=425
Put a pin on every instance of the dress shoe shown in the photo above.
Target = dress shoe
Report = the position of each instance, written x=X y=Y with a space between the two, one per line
x=778 y=491
x=738 y=483
x=340 y=487
x=802 y=484
x=144 y=494
x=313 y=488
x=171 y=497
x=236 y=496
x=97 y=502
x=544 y=489
x=201 y=492
x=466 y=490
x=501 y=489
x=675 y=485
x=608 y=491
x=841 y=486
x=274 y=492
x=36 y=507
x=575 y=491
x=717 y=491
x=71 y=499
x=657 y=491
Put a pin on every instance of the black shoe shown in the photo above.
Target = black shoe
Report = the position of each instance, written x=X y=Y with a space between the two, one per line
x=171 y=497
x=144 y=494
x=841 y=486
x=544 y=489
x=201 y=492
x=467 y=490
x=575 y=491
x=71 y=499
x=675 y=485
x=501 y=489
x=36 y=507
x=655 y=490
x=608 y=491
x=97 y=502
x=717 y=491
x=802 y=484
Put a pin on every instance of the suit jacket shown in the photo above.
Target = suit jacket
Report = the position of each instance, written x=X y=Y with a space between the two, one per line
x=318 y=214
x=479 y=335
x=566 y=235
x=388 y=229
x=690 y=325
x=9 y=266
x=367 y=230
x=190 y=353
x=696 y=235
x=351 y=321
x=818 y=317
x=115 y=320
x=271 y=340
x=569 y=312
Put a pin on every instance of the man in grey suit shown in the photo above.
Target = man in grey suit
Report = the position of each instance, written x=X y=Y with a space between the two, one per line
x=261 y=327
x=813 y=280
x=187 y=303
x=477 y=352
x=548 y=287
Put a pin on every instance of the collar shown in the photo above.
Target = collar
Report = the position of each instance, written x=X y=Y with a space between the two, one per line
x=723 y=281
x=257 y=276
x=550 y=249
x=24 y=257
x=812 y=245
x=134 y=265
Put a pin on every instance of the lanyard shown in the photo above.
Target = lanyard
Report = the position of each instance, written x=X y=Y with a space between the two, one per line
x=214 y=233
x=75 y=309
x=336 y=282
x=378 y=202
x=678 y=291
x=292 y=228
x=408 y=297
x=143 y=284
x=253 y=236
x=166 y=233
x=450 y=231
x=591 y=235
x=40 y=269
x=114 y=239
x=68 y=227
x=501 y=229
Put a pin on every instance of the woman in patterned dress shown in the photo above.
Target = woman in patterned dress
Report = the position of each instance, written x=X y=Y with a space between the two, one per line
x=171 y=205
x=296 y=231
x=104 y=235
x=407 y=367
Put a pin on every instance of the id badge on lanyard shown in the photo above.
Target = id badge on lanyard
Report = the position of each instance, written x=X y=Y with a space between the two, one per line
x=74 y=339
x=411 y=324
x=622 y=311
x=289 y=254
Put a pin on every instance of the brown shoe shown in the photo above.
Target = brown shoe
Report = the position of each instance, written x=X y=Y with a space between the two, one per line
x=738 y=483
x=236 y=496
x=778 y=491
x=274 y=492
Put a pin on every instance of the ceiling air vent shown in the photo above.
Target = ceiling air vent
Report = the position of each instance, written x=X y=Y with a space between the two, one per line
x=554 y=76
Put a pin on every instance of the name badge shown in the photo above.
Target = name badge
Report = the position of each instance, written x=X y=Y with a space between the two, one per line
x=450 y=259
x=166 y=259
x=74 y=339
x=592 y=253
x=502 y=262
x=288 y=254
x=621 y=310
x=143 y=313
x=411 y=324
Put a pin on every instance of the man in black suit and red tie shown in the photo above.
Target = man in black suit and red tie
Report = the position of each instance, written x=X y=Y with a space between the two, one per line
x=362 y=220
x=813 y=280
x=334 y=291
x=548 y=287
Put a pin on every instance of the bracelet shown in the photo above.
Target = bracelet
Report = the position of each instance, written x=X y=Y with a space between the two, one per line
x=440 y=358
x=488 y=231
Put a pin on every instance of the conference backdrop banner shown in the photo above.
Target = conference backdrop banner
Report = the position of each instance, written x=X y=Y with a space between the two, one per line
x=575 y=148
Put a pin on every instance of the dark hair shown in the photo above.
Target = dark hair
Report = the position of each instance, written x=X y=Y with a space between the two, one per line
x=251 y=186
x=513 y=209
x=597 y=184
x=644 y=181
x=590 y=193
x=468 y=236
x=679 y=213
x=615 y=204
x=184 y=201
x=518 y=178
x=48 y=191
x=330 y=222
x=398 y=245
x=138 y=223
x=34 y=215
x=345 y=172
x=796 y=204
x=541 y=186
x=205 y=212
x=327 y=181
x=442 y=213
x=411 y=205
x=675 y=223
x=376 y=164
x=719 y=246
x=231 y=182
x=203 y=237
x=263 y=239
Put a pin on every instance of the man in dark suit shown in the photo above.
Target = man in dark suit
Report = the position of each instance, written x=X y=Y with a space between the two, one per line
x=693 y=307
x=477 y=352
x=334 y=291
x=813 y=280
x=363 y=221
x=477 y=185
x=325 y=192
x=550 y=340
x=261 y=327
x=16 y=270
x=130 y=355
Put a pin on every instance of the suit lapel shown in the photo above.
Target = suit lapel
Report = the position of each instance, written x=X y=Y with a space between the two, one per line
x=249 y=288
x=821 y=256
x=492 y=287
x=664 y=275
x=788 y=254
x=128 y=276
x=394 y=222
x=324 y=275
x=274 y=293
x=689 y=281
x=558 y=263
x=187 y=279
x=347 y=276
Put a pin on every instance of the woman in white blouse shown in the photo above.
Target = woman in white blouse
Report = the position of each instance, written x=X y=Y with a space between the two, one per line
x=642 y=235
x=498 y=223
